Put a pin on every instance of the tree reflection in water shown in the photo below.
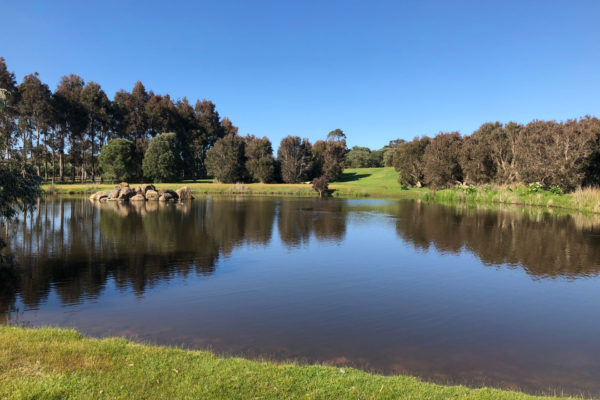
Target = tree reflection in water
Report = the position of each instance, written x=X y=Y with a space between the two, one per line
x=74 y=247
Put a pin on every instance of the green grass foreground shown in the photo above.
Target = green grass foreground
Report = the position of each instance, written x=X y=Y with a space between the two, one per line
x=49 y=363
x=380 y=183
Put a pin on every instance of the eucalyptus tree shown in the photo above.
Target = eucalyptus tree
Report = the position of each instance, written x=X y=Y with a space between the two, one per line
x=9 y=98
x=71 y=122
x=97 y=107
x=132 y=119
x=35 y=116
x=208 y=131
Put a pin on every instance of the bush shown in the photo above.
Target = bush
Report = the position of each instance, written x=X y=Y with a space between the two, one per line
x=225 y=161
x=320 y=185
x=534 y=187
x=162 y=161
x=556 y=190
x=117 y=160
x=259 y=159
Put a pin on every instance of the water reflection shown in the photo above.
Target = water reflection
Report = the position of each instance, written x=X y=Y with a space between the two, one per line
x=76 y=246
x=544 y=245
x=502 y=297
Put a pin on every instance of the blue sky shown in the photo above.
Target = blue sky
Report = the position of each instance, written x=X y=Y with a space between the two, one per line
x=376 y=69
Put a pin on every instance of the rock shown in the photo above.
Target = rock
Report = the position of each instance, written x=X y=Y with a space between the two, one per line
x=184 y=194
x=168 y=194
x=126 y=193
x=99 y=195
x=114 y=194
x=162 y=198
x=144 y=187
x=152 y=195
x=138 y=197
x=123 y=185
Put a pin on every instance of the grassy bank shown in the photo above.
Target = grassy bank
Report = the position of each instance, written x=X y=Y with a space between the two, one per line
x=61 y=364
x=382 y=183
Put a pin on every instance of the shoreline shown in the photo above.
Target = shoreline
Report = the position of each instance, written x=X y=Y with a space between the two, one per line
x=378 y=183
x=56 y=362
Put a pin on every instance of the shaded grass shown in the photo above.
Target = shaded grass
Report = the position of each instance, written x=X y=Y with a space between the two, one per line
x=382 y=183
x=60 y=364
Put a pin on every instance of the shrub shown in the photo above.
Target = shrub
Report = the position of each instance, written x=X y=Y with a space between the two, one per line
x=320 y=185
x=534 y=187
x=225 y=161
x=556 y=190
x=162 y=161
x=117 y=160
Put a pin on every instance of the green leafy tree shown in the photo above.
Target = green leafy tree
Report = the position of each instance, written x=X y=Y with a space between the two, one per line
x=226 y=160
x=9 y=99
x=71 y=121
x=97 y=106
x=35 y=113
x=117 y=160
x=260 y=162
x=162 y=161
x=358 y=157
x=295 y=157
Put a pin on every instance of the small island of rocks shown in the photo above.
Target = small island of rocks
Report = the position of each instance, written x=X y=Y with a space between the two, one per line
x=144 y=192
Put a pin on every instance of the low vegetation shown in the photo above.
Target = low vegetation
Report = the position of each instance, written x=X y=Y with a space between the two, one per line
x=60 y=364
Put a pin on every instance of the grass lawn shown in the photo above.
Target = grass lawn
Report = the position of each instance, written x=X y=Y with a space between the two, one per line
x=382 y=183
x=61 y=364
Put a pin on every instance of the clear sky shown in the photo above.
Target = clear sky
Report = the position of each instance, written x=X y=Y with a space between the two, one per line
x=376 y=69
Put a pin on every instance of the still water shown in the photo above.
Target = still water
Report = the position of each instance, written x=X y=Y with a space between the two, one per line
x=506 y=298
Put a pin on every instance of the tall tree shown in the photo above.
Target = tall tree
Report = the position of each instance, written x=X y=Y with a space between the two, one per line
x=97 y=107
x=295 y=157
x=335 y=152
x=130 y=109
x=71 y=118
x=35 y=116
x=209 y=130
x=336 y=134
x=9 y=97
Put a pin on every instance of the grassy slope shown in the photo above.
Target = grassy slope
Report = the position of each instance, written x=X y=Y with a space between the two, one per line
x=379 y=182
x=60 y=364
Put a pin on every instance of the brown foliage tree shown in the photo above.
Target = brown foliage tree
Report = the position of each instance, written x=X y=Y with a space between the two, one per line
x=295 y=157
x=408 y=160
x=441 y=160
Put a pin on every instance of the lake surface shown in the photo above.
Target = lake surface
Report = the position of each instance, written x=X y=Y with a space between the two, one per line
x=504 y=298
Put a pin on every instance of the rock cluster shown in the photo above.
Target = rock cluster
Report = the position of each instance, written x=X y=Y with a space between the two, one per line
x=144 y=192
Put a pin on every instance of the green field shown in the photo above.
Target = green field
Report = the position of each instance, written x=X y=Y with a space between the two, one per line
x=62 y=364
x=379 y=183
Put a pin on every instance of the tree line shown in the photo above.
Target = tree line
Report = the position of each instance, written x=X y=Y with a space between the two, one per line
x=60 y=134
x=76 y=132
x=564 y=155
